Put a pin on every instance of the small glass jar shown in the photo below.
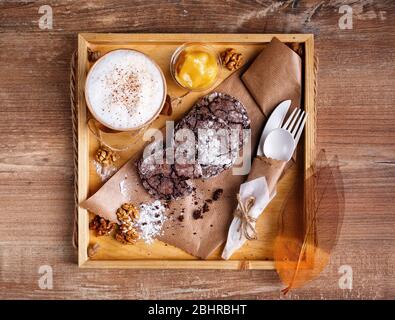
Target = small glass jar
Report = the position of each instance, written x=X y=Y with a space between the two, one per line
x=188 y=70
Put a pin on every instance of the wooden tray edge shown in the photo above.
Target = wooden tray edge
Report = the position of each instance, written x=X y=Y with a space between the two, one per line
x=103 y=38
x=180 y=264
x=83 y=155
x=83 y=218
x=310 y=141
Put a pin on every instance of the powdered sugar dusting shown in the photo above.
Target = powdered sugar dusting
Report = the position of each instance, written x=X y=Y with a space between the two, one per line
x=104 y=172
x=150 y=221
x=123 y=187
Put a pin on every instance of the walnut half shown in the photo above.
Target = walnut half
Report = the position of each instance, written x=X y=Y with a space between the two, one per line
x=127 y=214
x=105 y=156
x=231 y=59
x=101 y=226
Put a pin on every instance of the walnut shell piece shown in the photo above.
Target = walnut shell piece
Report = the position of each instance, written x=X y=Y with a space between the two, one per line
x=93 y=56
x=128 y=237
x=231 y=59
x=297 y=47
x=101 y=226
x=93 y=249
x=105 y=156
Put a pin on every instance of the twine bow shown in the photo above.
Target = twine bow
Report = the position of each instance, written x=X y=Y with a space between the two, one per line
x=247 y=222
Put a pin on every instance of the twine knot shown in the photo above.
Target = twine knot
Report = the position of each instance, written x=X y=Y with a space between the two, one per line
x=247 y=222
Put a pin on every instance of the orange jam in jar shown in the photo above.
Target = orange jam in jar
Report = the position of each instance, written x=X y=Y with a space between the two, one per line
x=195 y=67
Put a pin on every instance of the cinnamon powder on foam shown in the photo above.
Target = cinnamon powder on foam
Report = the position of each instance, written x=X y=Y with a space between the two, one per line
x=125 y=89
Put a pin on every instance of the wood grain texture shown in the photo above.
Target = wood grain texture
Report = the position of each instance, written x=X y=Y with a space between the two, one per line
x=355 y=117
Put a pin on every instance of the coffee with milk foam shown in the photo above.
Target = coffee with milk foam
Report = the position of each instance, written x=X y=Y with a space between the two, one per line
x=125 y=89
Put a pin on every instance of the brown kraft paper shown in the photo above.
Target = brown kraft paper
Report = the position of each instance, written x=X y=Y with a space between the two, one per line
x=269 y=168
x=275 y=76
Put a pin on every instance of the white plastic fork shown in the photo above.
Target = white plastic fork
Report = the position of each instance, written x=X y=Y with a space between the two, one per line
x=300 y=118
x=281 y=143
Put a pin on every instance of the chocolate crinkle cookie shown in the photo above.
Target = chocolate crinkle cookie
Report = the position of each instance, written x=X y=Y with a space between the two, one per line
x=230 y=110
x=217 y=121
x=160 y=179
x=207 y=142
x=211 y=149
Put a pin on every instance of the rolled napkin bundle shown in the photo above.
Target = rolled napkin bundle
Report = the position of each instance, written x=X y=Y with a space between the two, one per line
x=275 y=76
x=253 y=197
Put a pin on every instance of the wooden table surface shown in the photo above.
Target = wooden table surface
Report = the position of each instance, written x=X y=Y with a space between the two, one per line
x=356 y=122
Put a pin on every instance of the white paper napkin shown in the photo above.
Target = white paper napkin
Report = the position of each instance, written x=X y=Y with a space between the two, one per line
x=258 y=189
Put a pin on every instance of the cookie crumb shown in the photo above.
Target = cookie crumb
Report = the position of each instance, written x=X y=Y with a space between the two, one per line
x=217 y=194
x=197 y=214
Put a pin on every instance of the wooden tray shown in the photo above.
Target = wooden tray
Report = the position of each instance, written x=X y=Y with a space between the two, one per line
x=254 y=254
